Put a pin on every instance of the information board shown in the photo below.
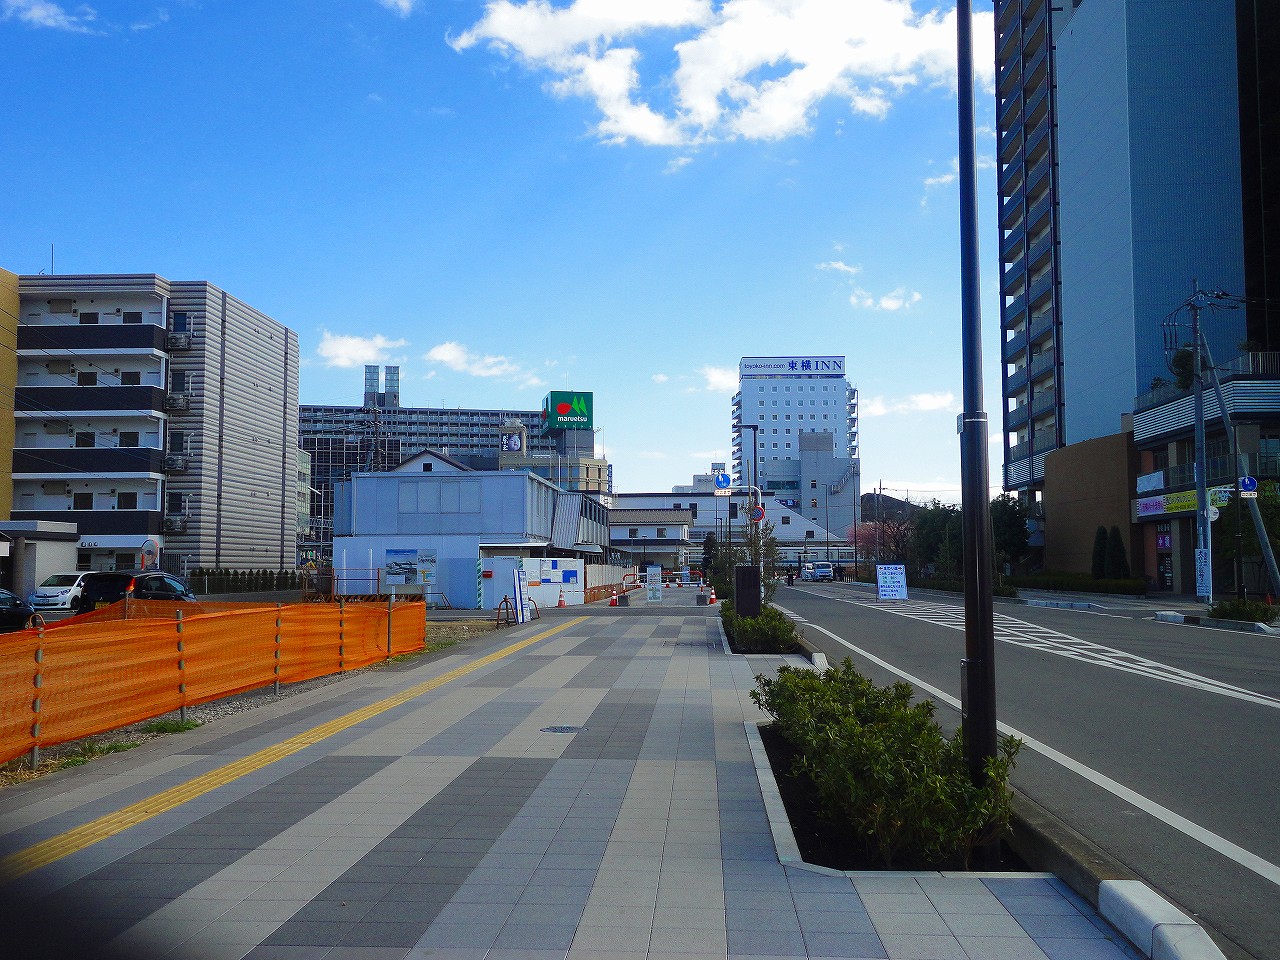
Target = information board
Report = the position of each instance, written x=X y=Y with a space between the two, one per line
x=891 y=581
x=523 y=611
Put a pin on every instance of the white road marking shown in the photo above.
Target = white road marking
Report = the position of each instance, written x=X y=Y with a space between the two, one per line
x=1035 y=637
x=1250 y=861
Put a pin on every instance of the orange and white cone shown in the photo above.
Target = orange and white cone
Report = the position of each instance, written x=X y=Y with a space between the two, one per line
x=562 y=603
x=613 y=601
x=713 y=597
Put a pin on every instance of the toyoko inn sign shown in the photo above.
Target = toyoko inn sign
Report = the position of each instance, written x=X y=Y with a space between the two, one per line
x=790 y=367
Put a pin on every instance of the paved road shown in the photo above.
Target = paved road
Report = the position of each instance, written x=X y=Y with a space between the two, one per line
x=1187 y=718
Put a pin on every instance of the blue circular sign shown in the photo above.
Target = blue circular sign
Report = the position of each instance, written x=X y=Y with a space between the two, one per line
x=1248 y=484
x=723 y=481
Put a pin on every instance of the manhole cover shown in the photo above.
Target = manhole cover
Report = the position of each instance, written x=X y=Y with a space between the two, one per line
x=562 y=729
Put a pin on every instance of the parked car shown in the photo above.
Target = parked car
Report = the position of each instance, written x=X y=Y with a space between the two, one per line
x=15 y=613
x=823 y=571
x=104 y=587
x=61 y=591
x=806 y=572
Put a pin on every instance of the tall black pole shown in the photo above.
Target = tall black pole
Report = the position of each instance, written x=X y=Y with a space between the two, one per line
x=978 y=675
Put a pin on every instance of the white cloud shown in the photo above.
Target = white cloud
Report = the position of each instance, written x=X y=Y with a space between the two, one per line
x=402 y=7
x=899 y=299
x=753 y=69
x=840 y=266
x=915 y=403
x=161 y=17
x=660 y=378
x=41 y=13
x=458 y=357
x=720 y=379
x=341 y=350
x=677 y=164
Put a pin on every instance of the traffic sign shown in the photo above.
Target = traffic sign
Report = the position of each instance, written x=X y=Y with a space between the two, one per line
x=1213 y=513
x=1248 y=494
x=723 y=481
x=1249 y=484
x=757 y=513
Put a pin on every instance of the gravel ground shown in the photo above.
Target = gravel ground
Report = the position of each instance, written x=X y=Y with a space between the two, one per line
x=443 y=634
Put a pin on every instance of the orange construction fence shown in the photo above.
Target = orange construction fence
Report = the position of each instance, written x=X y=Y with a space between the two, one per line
x=97 y=672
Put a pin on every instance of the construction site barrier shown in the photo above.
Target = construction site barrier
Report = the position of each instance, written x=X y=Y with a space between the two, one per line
x=97 y=671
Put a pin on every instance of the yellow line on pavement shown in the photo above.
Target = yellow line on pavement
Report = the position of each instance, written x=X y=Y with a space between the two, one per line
x=55 y=848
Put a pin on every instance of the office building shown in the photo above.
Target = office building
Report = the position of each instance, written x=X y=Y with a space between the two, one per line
x=161 y=417
x=1137 y=157
x=795 y=436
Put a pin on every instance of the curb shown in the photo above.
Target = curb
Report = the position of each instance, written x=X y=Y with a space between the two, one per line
x=1169 y=616
x=1063 y=604
x=1153 y=925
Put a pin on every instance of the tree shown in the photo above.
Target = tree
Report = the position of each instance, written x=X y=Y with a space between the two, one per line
x=1117 y=564
x=1099 y=565
x=1009 y=529
x=938 y=537
x=710 y=548
x=762 y=545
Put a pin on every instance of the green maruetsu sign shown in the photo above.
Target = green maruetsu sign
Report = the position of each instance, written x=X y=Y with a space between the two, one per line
x=566 y=410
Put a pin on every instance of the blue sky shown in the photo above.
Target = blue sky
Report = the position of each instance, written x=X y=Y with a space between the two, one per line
x=506 y=198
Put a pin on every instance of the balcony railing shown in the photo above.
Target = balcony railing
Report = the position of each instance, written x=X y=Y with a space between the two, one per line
x=1257 y=366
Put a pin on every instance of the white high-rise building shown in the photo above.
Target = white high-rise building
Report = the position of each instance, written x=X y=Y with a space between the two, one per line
x=795 y=436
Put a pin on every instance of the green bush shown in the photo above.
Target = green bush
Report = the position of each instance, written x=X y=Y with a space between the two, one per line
x=771 y=632
x=957 y=586
x=1254 y=611
x=882 y=764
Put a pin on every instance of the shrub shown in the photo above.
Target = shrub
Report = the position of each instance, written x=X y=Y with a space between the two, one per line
x=771 y=632
x=883 y=764
x=1117 y=564
x=1254 y=611
x=1079 y=582
x=1099 y=565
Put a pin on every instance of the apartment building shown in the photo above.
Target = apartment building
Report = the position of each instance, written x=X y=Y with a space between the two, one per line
x=1138 y=159
x=161 y=417
x=802 y=416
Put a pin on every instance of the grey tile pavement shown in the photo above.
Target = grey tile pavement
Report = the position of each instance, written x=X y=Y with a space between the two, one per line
x=458 y=826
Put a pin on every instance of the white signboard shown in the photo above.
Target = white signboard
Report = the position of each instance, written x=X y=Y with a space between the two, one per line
x=891 y=581
x=1204 y=574
x=412 y=567
x=653 y=584
x=524 y=612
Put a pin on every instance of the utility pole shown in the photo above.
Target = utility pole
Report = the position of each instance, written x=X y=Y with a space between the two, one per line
x=1204 y=543
x=977 y=670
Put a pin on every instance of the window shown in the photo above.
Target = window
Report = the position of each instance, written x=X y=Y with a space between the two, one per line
x=130 y=378
x=808 y=534
x=133 y=316
x=129 y=438
x=813 y=484
x=177 y=503
x=633 y=533
x=786 y=521
x=91 y=317
x=84 y=379
x=662 y=533
x=127 y=500
x=180 y=323
x=86 y=438
x=82 y=501
x=178 y=441
x=814 y=503
x=178 y=381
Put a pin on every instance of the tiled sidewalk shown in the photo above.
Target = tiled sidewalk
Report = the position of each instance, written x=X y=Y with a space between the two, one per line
x=592 y=794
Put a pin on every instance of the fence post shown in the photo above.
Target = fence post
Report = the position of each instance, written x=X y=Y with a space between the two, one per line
x=391 y=597
x=342 y=635
x=276 y=686
x=35 y=703
x=424 y=617
x=182 y=671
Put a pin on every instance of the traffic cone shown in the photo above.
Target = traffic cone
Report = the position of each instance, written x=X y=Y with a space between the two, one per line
x=562 y=603
x=713 y=597
x=613 y=601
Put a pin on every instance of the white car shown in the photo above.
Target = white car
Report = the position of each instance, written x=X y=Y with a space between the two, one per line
x=61 y=591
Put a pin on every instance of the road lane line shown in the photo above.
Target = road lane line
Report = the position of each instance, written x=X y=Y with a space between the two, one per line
x=72 y=841
x=1250 y=861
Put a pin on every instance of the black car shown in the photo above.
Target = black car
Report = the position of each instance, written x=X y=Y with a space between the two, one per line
x=15 y=613
x=104 y=587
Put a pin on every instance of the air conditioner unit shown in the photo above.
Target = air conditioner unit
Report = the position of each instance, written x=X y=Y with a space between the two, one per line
x=56 y=487
x=177 y=401
x=175 y=462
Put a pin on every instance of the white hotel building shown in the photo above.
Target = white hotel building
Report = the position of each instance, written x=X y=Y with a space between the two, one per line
x=795 y=436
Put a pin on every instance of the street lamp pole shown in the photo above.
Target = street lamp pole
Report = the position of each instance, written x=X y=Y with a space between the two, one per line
x=978 y=686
